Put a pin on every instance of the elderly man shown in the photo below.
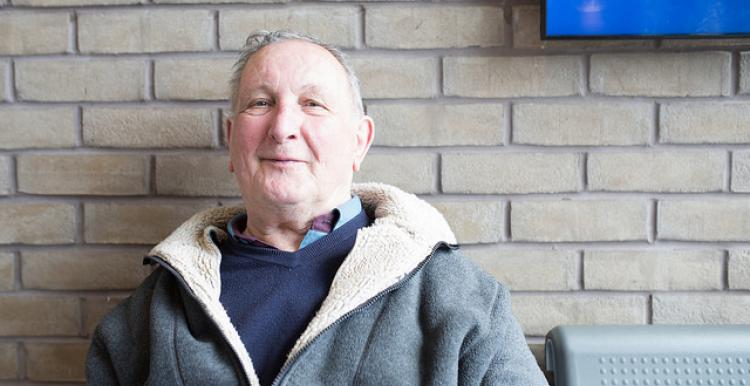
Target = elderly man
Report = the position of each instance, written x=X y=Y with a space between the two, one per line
x=315 y=281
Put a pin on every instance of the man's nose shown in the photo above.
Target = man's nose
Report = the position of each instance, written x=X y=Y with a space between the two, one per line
x=286 y=123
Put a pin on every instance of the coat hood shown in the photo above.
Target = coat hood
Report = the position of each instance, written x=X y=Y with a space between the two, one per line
x=403 y=233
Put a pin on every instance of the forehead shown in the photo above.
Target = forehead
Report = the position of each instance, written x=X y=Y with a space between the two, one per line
x=293 y=63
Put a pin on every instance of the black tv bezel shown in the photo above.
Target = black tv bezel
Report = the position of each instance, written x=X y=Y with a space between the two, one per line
x=544 y=36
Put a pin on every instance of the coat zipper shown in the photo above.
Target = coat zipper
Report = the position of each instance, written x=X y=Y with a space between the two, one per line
x=287 y=367
x=235 y=358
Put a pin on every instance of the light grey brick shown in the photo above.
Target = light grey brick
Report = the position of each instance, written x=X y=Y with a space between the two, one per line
x=653 y=270
x=661 y=75
x=25 y=127
x=526 y=34
x=36 y=315
x=21 y=222
x=68 y=3
x=7 y=276
x=741 y=171
x=84 y=80
x=82 y=269
x=589 y=220
x=670 y=171
x=416 y=171
x=63 y=362
x=510 y=172
x=333 y=24
x=137 y=30
x=396 y=77
x=144 y=127
x=590 y=123
x=538 y=314
x=6 y=184
x=28 y=33
x=717 y=308
x=105 y=174
x=509 y=77
x=209 y=78
x=195 y=175
x=705 y=122
x=437 y=124
x=473 y=221
x=8 y=361
x=528 y=270
x=433 y=26
x=704 y=220
x=739 y=269
x=135 y=223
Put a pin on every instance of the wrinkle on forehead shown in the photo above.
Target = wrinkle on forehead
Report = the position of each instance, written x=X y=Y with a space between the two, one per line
x=312 y=65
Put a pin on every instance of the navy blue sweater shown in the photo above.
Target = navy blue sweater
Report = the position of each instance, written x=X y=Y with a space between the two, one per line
x=271 y=295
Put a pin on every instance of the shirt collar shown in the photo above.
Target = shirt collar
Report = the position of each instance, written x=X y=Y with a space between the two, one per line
x=321 y=225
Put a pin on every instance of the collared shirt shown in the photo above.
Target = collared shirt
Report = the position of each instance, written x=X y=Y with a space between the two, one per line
x=321 y=226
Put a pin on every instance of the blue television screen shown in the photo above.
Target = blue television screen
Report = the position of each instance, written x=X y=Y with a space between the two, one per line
x=645 y=18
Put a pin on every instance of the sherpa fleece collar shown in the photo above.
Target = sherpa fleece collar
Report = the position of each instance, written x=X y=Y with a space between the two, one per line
x=402 y=235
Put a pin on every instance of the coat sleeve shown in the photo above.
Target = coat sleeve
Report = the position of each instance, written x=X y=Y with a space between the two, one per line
x=99 y=367
x=501 y=355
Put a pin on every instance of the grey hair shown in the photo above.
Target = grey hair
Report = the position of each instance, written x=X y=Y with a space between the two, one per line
x=260 y=39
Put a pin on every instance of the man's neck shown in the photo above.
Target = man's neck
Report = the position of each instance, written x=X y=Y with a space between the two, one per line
x=284 y=227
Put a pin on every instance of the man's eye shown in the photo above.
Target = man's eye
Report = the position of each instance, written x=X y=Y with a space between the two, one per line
x=313 y=104
x=260 y=103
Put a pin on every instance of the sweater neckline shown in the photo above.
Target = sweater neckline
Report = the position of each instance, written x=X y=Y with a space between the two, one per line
x=241 y=253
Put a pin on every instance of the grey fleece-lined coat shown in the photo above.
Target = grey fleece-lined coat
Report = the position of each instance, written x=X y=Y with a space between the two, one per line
x=403 y=309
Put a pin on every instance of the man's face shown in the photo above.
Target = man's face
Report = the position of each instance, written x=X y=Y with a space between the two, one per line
x=296 y=137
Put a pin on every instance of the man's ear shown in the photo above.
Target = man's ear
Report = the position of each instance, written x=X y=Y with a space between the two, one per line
x=229 y=142
x=364 y=137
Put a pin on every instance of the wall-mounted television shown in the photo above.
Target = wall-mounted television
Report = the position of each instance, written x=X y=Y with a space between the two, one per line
x=608 y=19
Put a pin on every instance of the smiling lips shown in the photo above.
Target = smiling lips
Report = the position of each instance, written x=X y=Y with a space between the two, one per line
x=276 y=160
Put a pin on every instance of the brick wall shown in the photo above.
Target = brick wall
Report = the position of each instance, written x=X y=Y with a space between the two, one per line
x=604 y=182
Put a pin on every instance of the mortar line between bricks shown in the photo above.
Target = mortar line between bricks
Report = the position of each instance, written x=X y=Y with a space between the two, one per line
x=728 y=172
x=57 y=293
x=79 y=141
x=11 y=88
x=725 y=270
x=216 y=33
x=21 y=358
x=438 y=165
x=462 y=149
x=734 y=73
x=151 y=176
x=652 y=223
x=585 y=87
x=508 y=122
x=80 y=224
x=655 y=133
x=581 y=270
x=507 y=236
x=82 y=315
x=361 y=34
x=508 y=35
x=73 y=45
x=150 y=80
x=217 y=136
x=13 y=175
x=16 y=270
x=583 y=164
x=445 y=99
x=507 y=223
